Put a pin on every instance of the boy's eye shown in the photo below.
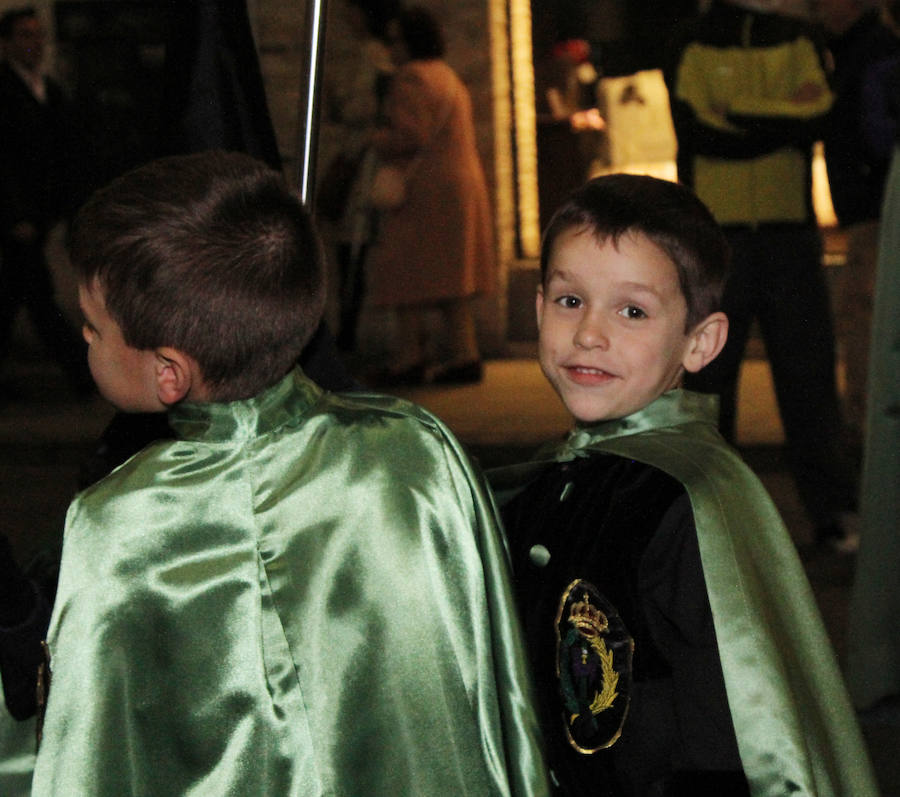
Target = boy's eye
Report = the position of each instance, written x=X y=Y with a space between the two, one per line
x=568 y=301
x=630 y=311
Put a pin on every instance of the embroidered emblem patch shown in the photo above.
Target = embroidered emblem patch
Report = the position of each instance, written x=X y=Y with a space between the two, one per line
x=593 y=664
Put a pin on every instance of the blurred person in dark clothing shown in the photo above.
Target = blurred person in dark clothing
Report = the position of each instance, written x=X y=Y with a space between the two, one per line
x=859 y=41
x=24 y=615
x=36 y=191
x=746 y=122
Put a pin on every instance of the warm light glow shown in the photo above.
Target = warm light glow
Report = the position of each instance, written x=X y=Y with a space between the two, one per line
x=522 y=59
x=515 y=142
x=821 y=190
x=503 y=160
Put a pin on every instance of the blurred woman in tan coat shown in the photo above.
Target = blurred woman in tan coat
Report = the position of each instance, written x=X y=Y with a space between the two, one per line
x=435 y=250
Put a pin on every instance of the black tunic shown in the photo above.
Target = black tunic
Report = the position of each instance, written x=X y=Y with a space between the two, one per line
x=626 y=529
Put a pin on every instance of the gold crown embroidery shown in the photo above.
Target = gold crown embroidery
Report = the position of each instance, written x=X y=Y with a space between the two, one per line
x=591 y=623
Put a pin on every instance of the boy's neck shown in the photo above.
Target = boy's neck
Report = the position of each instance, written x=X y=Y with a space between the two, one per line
x=587 y=424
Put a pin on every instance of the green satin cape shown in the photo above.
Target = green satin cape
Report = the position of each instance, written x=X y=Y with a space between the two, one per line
x=16 y=754
x=305 y=594
x=873 y=660
x=796 y=730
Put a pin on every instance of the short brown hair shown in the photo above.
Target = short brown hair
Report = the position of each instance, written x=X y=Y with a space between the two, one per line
x=210 y=254
x=667 y=213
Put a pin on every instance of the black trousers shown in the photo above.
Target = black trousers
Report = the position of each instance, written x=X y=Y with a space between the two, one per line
x=777 y=279
x=25 y=282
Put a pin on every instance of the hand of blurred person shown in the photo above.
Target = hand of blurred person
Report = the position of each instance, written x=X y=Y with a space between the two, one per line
x=808 y=92
x=589 y=119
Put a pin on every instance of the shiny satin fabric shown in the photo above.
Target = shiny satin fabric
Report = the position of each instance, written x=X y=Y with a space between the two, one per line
x=16 y=754
x=873 y=660
x=305 y=594
x=796 y=731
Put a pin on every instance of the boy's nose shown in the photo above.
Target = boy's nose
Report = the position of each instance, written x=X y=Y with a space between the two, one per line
x=591 y=334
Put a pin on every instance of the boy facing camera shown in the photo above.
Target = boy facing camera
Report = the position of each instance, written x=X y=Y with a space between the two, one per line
x=675 y=643
x=304 y=593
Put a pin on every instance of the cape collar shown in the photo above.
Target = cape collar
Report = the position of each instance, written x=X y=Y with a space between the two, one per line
x=283 y=404
x=671 y=409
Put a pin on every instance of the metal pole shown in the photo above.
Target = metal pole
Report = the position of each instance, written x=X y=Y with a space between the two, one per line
x=310 y=90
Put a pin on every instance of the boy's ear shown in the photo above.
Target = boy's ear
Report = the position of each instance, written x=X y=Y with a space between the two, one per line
x=539 y=304
x=705 y=342
x=175 y=374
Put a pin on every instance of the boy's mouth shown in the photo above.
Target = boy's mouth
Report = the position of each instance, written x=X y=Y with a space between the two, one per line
x=583 y=375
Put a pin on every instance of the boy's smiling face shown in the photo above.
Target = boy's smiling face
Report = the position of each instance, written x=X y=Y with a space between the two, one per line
x=125 y=376
x=612 y=324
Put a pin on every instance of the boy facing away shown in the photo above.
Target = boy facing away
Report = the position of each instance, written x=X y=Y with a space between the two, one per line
x=674 y=640
x=304 y=593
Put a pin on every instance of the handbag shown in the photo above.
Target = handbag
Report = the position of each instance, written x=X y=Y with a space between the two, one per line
x=388 y=190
